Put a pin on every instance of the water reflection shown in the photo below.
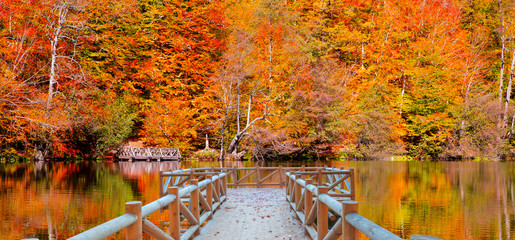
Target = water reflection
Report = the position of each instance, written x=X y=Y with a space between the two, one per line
x=465 y=200
x=450 y=200
x=137 y=169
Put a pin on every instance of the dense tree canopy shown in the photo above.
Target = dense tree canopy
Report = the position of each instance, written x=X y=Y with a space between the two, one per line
x=273 y=79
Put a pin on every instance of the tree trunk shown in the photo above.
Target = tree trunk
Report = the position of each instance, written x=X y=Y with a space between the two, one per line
x=402 y=95
x=56 y=35
x=207 y=143
x=512 y=68
x=222 y=129
x=501 y=74
x=239 y=135
x=53 y=65
x=508 y=91
x=238 y=107
x=235 y=142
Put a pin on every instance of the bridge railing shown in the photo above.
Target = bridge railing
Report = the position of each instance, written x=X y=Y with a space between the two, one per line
x=132 y=153
x=190 y=206
x=320 y=204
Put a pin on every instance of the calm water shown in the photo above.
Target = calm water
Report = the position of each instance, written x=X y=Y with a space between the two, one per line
x=450 y=200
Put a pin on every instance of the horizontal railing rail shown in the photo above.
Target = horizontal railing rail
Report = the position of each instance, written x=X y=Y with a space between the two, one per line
x=190 y=205
x=109 y=228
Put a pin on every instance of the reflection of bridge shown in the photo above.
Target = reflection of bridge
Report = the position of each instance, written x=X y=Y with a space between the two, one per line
x=141 y=168
x=148 y=153
x=321 y=198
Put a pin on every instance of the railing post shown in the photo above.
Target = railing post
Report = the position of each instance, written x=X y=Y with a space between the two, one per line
x=352 y=190
x=217 y=188
x=280 y=176
x=298 y=190
x=287 y=183
x=292 y=188
x=225 y=184
x=174 y=214
x=161 y=192
x=194 y=204
x=348 y=231
x=342 y=184
x=258 y=177
x=134 y=231
x=322 y=221
x=319 y=177
x=209 y=195
x=308 y=200
x=192 y=173
x=235 y=177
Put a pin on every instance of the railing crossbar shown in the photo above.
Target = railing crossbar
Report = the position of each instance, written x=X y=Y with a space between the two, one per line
x=246 y=176
x=107 y=229
x=156 y=205
x=269 y=175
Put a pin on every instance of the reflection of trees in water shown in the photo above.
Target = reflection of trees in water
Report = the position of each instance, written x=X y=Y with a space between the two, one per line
x=71 y=176
x=39 y=199
x=451 y=200
x=462 y=200
x=486 y=193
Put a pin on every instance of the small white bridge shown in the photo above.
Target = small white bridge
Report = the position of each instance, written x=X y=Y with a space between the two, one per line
x=148 y=153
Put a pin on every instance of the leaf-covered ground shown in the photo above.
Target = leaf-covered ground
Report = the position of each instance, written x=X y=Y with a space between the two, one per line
x=254 y=214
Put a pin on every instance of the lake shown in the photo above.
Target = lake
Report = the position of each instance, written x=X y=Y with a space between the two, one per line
x=450 y=200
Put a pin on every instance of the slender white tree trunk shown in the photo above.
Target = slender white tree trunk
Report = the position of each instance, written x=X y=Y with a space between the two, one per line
x=52 y=74
x=501 y=74
x=402 y=94
x=508 y=90
x=57 y=25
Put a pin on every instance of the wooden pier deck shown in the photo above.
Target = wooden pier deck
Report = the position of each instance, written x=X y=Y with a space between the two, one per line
x=254 y=213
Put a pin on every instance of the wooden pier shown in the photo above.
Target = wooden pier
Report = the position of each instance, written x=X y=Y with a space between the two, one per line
x=148 y=153
x=317 y=203
x=254 y=213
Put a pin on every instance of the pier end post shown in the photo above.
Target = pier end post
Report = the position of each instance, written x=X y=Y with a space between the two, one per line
x=349 y=232
x=322 y=217
x=134 y=231
x=174 y=214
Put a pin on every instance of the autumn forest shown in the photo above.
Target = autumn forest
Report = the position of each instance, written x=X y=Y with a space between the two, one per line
x=271 y=79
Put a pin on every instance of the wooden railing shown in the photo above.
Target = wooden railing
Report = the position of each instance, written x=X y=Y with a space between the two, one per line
x=236 y=177
x=322 y=202
x=147 y=153
x=320 y=196
x=255 y=177
x=190 y=205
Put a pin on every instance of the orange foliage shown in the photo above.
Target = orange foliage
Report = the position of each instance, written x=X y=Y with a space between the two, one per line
x=362 y=78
